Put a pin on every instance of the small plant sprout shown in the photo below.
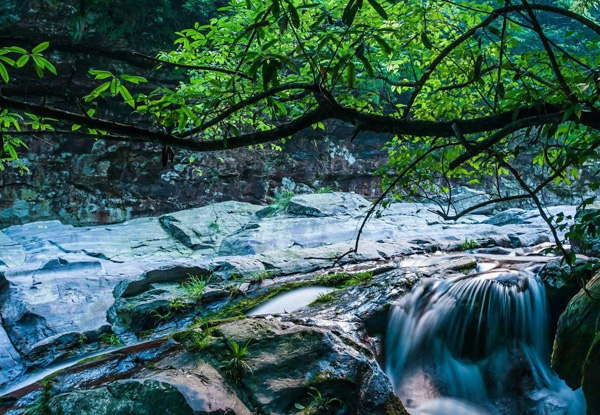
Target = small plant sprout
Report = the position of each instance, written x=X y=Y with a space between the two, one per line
x=162 y=316
x=469 y=244
x=111 y=339
x=319 y=404
x=260 y=276
x=177 y=305
x=214 y=226
x=194 y=287
x=236 y=366
x=324 y=298
x=235 y=288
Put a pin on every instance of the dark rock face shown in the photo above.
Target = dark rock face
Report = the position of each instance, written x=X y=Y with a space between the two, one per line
x=108 y=183
x=575 y=356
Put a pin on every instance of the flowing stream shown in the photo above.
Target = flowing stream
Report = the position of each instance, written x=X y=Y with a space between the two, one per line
x=476 y=345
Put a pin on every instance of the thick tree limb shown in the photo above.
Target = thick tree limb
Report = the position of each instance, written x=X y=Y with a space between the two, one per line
x=590 y=119
x=503 y=122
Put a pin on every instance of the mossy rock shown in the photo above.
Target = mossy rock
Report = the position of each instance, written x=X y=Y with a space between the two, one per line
x=591 y=378
x=128 y=397
x=576 y=333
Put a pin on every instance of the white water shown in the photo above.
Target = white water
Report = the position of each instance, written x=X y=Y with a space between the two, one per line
x=288 y=302
x=476 y=345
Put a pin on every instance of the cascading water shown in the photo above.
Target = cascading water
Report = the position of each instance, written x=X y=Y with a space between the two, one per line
x=476 y=345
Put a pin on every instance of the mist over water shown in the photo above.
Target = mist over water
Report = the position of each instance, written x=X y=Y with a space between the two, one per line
x=476 y=345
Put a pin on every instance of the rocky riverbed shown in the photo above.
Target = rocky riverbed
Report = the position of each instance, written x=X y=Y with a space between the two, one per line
x=171 y=295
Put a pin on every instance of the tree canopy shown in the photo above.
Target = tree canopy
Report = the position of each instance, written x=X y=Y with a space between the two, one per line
x=463 y=88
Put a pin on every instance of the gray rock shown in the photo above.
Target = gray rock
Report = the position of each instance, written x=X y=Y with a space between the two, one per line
x=10 y=360
x=204 y=228
x=328 y=204
x=58 y=283
x=205 y=390
x=171 y=273
x=58 y=298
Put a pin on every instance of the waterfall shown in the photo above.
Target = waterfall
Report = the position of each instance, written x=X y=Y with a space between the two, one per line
x=476 y=344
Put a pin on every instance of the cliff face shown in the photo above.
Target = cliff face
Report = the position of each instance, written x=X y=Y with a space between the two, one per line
x=83 y=181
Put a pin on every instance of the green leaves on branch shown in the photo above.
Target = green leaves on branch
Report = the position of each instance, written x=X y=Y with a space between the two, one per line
x=114 y=87
x=17 y=57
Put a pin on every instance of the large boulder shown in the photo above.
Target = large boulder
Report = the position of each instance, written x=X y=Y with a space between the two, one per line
x=575 y=347
x=328 y=204
x=203 y=228
x=562 y=283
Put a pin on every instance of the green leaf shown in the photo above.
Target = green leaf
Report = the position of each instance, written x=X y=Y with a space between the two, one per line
x=385 y=47
x=99 y=75
x=49 y=66
x=41 y=47
x=367 y=65
x=294 y=17
x=75 y=127
x=133 y=79
x=22 y=61
x=17 y=50
x=4 y=73
x=350 y=11
x=11 y=151
x=97 y=91
x=477 y=69
x=7 y=60
x=126 y=96
x=350 y=75
x=380 y=10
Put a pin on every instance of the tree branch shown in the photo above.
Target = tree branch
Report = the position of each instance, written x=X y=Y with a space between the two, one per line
x=193 y=67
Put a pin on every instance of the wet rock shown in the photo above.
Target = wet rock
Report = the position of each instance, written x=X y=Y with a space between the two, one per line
x=204 y=388
x=172 y=273
x=181 y=382
x=465 y=197
x=272 y=234
x=336 y=369
x=59 y=298
x=508 y=217
x=577 y=329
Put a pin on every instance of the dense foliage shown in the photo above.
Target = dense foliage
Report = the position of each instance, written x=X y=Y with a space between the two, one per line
x=463 y=88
